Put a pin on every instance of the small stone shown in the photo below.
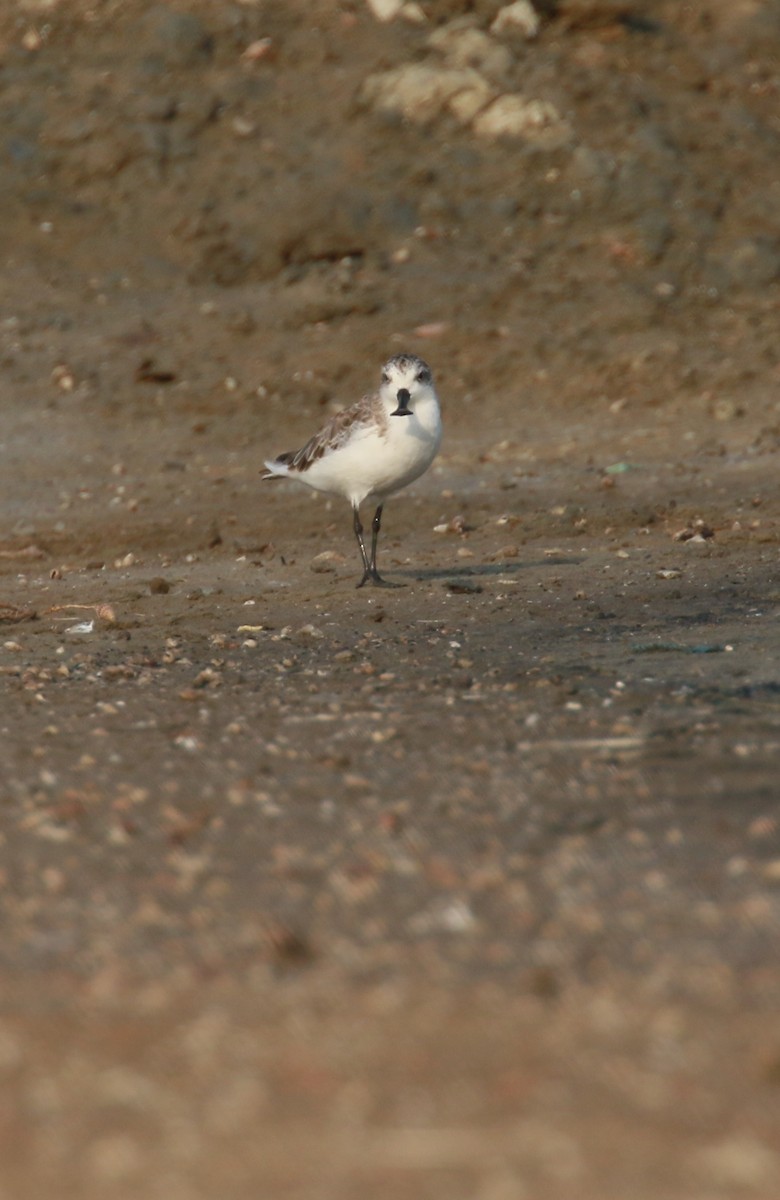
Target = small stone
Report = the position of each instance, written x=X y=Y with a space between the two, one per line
x=32 y=40
x=456 y=524
x=326 y=562
x=242 y=127
x=432 y=329
x=520 y=17
x=725 y=409
x=454 y=916
x=468 y=47
x=420 y=92
x=699 y=531
x=63 y=377
x=516 y=117
x=258 y=50
x=385 y=10
x=465 y=105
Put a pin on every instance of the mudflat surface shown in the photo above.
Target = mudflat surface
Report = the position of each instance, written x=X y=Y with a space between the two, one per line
x=468 y=889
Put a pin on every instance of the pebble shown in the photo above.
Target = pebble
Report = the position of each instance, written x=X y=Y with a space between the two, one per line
x=514 y=116
x=699 y=531
x=432 y=329
x=326 y=562
x=469 y=47
x=388 y=10
x=520 y=17
x=420 y=92
x=452 y=916
x=456 y=524
x=259 y=50
x=385 y=10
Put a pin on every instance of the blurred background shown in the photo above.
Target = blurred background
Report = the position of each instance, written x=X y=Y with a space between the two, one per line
x=516 y=939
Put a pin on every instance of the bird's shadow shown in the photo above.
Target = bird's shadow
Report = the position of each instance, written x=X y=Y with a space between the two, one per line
x=490 y=570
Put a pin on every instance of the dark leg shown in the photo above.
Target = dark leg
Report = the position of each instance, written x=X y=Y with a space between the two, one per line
x=376 y=525
x=358 y=528
x=370 y=572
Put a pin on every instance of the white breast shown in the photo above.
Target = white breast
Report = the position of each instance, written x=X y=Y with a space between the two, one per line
x=374 y=463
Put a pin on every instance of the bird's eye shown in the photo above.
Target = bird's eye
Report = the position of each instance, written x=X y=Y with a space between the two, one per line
x=423 y=376
x=385 y=377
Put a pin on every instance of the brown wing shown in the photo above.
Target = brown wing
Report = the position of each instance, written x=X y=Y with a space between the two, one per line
x=334 y=433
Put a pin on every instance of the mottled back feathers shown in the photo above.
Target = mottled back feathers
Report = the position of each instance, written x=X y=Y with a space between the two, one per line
x=342 y=425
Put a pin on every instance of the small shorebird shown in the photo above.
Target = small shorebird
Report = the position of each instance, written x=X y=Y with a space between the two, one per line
x=373 y=448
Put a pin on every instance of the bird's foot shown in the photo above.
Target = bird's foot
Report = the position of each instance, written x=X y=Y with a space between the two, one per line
x=376 y=580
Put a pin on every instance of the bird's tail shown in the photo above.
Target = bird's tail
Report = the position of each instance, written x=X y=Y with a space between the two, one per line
x=277 y=468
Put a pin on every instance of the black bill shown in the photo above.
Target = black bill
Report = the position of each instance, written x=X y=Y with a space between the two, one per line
x=403 y=410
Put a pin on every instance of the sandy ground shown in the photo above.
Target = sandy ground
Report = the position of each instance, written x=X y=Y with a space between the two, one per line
x=468 y=889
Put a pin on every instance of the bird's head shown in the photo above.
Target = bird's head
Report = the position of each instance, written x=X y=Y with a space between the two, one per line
x=405 y=379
